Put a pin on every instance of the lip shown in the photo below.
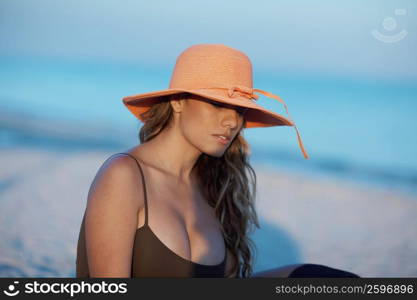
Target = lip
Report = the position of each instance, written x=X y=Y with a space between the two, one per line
x=220 y=140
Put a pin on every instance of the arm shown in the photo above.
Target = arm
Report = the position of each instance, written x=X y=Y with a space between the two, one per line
x=114 y=199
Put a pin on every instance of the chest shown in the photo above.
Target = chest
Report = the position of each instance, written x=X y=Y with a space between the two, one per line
x=184 y=222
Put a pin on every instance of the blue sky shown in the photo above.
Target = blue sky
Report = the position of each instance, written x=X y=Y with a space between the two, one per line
x=315 y=37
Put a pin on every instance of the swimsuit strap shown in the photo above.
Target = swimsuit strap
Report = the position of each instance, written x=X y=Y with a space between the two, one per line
x=143 y=183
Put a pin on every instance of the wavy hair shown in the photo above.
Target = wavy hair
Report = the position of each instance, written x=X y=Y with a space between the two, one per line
x=227 y=182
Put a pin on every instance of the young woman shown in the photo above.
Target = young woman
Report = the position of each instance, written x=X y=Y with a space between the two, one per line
x=181 y=204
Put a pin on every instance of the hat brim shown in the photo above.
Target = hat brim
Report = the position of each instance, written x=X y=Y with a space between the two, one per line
x=256 y=115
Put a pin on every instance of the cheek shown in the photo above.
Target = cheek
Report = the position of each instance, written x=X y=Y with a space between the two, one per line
x=198 y=118
x=197 y=123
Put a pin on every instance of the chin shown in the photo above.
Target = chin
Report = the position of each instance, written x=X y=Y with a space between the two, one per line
x=215 y=153
x=213 y=150
x=218 y=154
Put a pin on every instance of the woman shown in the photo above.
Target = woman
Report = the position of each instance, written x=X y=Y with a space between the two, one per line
x=181 y=204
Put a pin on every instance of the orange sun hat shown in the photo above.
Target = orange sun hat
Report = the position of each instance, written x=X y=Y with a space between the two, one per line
x=220 y=73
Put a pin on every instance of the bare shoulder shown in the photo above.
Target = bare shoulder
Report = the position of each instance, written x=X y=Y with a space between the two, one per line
x=111 y=217
x=119 y=178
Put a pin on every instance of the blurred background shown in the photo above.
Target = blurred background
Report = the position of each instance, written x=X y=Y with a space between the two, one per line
x=347 y=71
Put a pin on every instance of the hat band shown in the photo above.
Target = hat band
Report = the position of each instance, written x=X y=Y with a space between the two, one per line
x=250 y=93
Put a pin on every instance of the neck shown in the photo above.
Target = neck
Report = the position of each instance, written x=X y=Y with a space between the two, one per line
x=173 y=154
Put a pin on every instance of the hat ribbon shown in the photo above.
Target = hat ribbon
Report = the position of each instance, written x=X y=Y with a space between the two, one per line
x=249 y=93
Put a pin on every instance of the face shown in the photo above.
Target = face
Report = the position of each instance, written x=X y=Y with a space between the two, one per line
x=203 y=121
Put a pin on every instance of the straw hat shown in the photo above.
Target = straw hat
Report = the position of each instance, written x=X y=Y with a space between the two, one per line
x=220 y=73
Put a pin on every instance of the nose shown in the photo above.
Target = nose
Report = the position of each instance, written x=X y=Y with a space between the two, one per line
x=231 y=118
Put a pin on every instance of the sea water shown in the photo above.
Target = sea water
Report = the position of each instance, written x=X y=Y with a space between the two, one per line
x=360 y=129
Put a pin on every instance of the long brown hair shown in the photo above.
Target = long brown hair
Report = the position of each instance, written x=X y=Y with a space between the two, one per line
x=227 y=182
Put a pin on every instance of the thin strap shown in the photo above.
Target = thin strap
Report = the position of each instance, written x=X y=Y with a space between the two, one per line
x=143 y=183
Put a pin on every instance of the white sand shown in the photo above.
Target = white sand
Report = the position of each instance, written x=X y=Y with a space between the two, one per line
x=363 y=230
x=367 y=231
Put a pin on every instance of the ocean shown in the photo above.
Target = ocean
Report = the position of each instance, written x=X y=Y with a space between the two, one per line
x=356 y=129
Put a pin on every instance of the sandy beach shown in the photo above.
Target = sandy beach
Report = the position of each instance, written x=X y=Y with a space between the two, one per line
x=368 y=231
